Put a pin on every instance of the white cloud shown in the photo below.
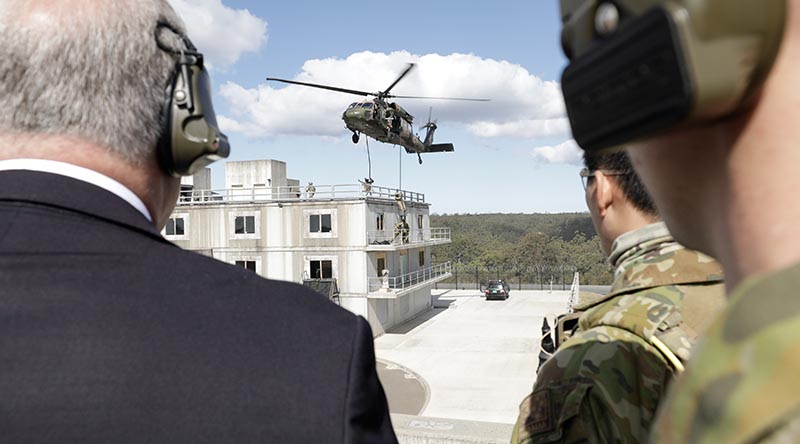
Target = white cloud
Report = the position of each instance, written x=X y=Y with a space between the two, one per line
x=532 y=128
x=522 y=105
x=567 y=153
x=221 y=33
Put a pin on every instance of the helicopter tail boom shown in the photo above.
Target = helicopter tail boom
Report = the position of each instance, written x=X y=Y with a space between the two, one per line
x=440 y=148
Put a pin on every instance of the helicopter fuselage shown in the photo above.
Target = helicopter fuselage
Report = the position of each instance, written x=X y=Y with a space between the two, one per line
x=384 y=122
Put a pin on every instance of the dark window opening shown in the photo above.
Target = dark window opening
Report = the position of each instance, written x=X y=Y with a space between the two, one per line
x=320 y=223
x=245 y=225
x=321 y=269
x=250 y=265
x=379 y=222
x=175 y=226
x=381 y=266
x=421 y=258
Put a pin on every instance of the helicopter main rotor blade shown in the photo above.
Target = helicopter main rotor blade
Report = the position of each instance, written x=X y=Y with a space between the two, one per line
x=438 y=98
x=314 y=85
x=405 y=73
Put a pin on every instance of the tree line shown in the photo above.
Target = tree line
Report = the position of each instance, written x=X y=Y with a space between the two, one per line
x=524 y=245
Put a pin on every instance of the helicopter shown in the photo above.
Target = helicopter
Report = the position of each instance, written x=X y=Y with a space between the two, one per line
x=386 y=121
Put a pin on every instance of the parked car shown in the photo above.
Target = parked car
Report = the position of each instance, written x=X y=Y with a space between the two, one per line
x=497 y=290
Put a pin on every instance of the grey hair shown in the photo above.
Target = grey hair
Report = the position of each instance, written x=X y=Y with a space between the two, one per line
x=87 y=69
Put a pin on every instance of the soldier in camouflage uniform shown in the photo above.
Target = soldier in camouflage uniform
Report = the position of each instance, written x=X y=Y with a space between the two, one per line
x=722 y=167
x=605 y=383
x=744 y=385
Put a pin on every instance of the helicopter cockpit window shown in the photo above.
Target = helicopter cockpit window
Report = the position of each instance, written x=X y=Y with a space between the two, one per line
x=366 y=105
x=352 y=105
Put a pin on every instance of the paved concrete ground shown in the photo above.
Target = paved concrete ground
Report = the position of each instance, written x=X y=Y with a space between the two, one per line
x=477 y=357
x=409 y=392
x=425 y=430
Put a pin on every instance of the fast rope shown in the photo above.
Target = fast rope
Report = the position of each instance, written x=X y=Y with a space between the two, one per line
x=400 y=162
x=369 y=159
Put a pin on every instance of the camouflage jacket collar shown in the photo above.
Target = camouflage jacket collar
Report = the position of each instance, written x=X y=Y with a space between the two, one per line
x=632 y=243
x=658 y=260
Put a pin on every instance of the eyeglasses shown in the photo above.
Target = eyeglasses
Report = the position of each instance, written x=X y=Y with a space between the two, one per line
x=586 y=173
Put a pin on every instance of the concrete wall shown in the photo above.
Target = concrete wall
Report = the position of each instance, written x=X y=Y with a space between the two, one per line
x=359 y=306
x=384 y=314
x=247 y=174
x=200 y=180
x=282 y=241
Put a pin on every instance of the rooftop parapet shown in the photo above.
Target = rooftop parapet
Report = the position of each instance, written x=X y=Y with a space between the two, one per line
x=295 y=194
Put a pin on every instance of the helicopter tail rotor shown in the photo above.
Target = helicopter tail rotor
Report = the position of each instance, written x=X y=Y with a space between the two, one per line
x=431 y=127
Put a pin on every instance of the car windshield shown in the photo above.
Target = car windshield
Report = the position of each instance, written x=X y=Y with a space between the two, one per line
x=495 y=286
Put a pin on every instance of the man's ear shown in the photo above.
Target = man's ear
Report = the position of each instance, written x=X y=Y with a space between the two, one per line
x=604 y=192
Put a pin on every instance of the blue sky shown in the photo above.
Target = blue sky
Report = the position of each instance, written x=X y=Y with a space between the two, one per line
x=513 y=154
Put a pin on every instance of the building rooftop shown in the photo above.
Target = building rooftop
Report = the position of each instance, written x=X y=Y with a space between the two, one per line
x=238 y=195
x=265 y=181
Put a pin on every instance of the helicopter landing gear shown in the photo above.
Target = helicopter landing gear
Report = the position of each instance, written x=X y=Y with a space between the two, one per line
x=355 y=137
x=420 y=158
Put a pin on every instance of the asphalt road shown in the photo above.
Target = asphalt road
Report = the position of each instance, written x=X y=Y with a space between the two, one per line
x=476 y=358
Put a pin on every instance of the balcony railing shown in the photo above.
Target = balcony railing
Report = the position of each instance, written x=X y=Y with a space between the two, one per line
x=389 y=283
x=294 y=193
x=398 y=237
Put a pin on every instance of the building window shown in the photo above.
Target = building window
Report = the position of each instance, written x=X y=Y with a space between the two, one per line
x=321 y=269
x=379 y=222
x=381 y=266
x=319 y=223
x=421 y=257
x=250 y=265
x=245 y=225
x=419 y=221
x=176 y=226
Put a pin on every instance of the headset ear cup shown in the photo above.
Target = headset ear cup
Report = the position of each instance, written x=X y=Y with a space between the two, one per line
x=164 y=150
x=190 y=137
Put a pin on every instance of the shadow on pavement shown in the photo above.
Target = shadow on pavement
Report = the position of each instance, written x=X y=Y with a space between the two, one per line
x=443 y=303
x=419 y=320
x=406 y=392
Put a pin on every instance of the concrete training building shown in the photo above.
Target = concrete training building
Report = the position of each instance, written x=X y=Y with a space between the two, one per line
x=345 y=238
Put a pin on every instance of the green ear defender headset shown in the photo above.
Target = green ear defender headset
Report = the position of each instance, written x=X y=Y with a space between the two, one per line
x=639 y=67
x=190 y=137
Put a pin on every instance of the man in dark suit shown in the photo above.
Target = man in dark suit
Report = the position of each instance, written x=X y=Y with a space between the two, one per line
x=109 y=333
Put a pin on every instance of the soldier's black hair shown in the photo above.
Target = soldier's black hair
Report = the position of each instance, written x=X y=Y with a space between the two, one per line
x=629 y=182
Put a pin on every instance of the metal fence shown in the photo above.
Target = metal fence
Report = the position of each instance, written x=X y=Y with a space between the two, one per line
x=409 y=279
x=536 y=277
x=412 y=236
x=294 y=193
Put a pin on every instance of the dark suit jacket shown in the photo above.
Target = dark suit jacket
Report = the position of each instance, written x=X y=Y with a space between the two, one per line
x=109 y=333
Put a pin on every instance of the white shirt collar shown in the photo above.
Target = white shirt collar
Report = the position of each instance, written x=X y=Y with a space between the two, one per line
x=79 y=173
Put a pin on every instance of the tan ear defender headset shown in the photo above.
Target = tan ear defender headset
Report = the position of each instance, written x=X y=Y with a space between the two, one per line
x=639 y=67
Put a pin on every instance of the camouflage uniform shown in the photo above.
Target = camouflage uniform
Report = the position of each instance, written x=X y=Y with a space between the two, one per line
x=605 y=383
x=743 y=386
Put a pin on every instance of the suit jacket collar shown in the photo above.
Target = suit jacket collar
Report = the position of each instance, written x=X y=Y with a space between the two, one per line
x=71 y=194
